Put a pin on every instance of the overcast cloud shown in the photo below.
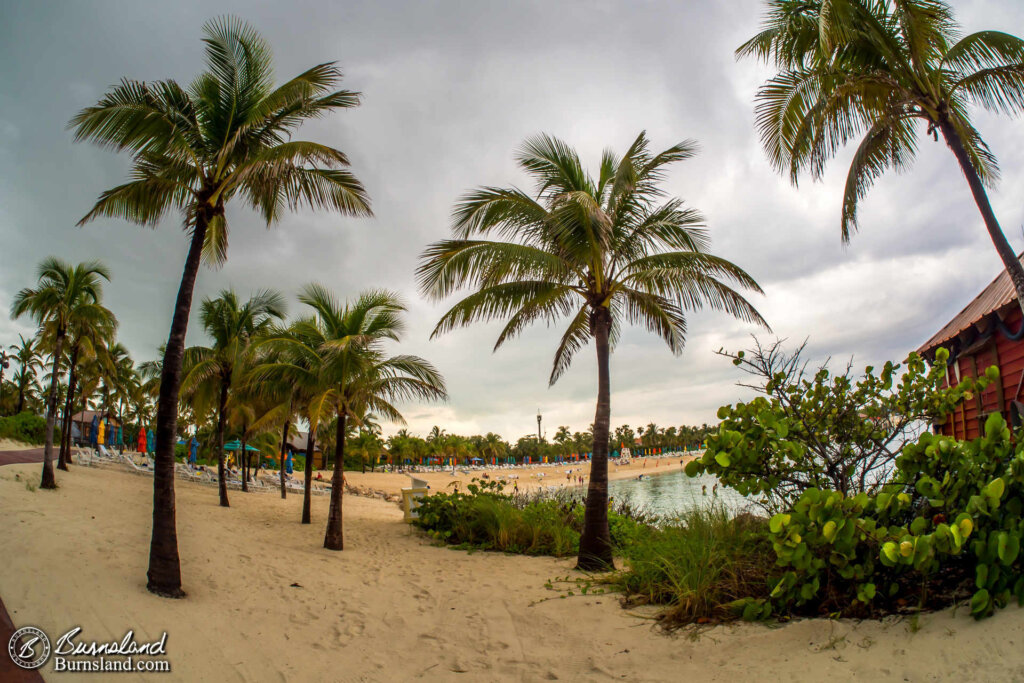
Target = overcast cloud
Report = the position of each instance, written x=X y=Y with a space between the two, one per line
x=450 y=91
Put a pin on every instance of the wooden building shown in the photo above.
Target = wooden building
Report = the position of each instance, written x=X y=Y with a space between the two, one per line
x=989 y=331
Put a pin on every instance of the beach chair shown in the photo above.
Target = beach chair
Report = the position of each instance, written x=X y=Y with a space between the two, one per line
x=133 y=467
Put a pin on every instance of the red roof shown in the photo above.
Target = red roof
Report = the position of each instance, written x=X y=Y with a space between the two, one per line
x=999 y=293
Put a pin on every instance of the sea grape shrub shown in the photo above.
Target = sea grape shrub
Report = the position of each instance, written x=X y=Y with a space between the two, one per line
x=947 y=525
x=827 y=431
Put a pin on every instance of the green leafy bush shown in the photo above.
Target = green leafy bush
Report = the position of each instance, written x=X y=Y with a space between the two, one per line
x=828 y=431
x=947 y=526
x=26 y=427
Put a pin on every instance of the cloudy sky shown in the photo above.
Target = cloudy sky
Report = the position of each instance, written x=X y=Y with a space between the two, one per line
x=451 y=89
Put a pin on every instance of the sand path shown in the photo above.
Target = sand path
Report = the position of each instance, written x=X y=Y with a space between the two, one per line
x=392 y=607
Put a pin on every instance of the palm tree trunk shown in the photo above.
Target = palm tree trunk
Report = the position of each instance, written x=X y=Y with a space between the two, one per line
x=334 y=539
x=164 y=575
x=995 y=232
x=218 y=443
x=308 y=493
x=21 y=393
x=65 y=434
x=243 y=463
x=48 y=480
x=280 y=460
x=595 y=543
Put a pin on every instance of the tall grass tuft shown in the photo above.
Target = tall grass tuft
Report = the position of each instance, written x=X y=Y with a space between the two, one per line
x=697 y=565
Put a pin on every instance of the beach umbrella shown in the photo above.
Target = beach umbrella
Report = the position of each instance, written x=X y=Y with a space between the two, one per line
x=141 y=441
x=101 y=433
x=150 y=442
x=236 y=445
x=93 y=431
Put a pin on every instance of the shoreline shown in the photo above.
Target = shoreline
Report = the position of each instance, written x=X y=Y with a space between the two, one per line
x=392 y=483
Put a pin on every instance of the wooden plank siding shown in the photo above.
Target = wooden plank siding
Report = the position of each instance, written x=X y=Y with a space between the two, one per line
x=968 y=420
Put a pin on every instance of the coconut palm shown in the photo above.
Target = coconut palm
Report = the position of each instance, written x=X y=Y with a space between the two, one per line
x=212 y=371
x=87 y=341
x=601 y=251
x=225 y=137
x=26 y=352
x=290 y=375
x=65 y=296
x=883 y=70
x=361 y=376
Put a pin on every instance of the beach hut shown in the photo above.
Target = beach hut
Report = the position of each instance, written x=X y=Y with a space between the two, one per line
x=988 y=331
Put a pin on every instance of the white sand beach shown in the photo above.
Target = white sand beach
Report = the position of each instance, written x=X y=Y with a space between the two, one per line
x=394 y=607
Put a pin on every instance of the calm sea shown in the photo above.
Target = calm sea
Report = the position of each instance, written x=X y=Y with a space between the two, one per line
x=670 y=494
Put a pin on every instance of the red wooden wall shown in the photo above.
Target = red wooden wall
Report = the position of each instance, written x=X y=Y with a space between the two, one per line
x=968 y=420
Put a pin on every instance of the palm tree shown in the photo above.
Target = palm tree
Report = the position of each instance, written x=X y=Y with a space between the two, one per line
x=852 y=68
x=361 y=376
x=602 y=252
x=65 y=296
x=291 y=374
x=26 y=352
x=194 y=149
x=88 y=340
x=211 y=371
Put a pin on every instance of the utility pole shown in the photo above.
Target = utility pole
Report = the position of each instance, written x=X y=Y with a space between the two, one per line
x=539 y=437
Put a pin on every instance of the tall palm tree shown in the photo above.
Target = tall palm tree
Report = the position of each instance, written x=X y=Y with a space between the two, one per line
x=212 y=371
x=227 y=136
x=601 y=251
x=64 y=296
x=26 y=352
x=361 y=376
x=880 y=69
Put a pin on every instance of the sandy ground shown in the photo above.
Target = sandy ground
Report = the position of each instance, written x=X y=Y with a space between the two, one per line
x=12 y=445
x=529 y=479
x=392 y=607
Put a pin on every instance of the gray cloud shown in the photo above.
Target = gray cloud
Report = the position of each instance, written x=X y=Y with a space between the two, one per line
x=450 y=90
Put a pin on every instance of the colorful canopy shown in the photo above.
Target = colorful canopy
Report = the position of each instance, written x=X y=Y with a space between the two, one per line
x=236 y=445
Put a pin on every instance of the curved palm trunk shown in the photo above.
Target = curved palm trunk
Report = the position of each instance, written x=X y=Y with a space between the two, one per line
x=995 y=232
x=64 y=458
x=334 y=539
x=307 y=494
x=164 y=575
x=218 y=443
x=284 y=445
x=596 y=544
x=49 y=481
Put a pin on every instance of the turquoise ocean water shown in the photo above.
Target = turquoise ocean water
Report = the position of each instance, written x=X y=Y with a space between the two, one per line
x=672 y=493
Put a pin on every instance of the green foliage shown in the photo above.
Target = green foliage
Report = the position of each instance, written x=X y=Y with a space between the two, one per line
x=949 y=518
x=707 y=565
x=486 y=517
x=826 y=431
x=26 y=427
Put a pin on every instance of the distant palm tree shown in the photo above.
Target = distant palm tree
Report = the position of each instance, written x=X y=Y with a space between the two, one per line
x=212 y=371
x=65 y=296
x=88 y=340
x=26 y=353
x=291 y=375
x=601 y=251
x=852 y=68
x=361 y=375
x=227 y=136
